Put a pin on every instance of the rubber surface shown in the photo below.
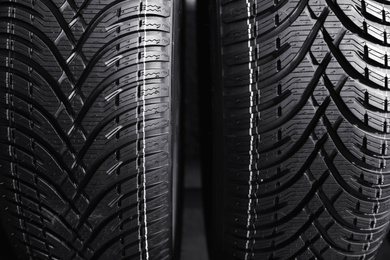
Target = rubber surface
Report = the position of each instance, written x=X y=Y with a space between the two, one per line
x=88 y=128
x=301 y=129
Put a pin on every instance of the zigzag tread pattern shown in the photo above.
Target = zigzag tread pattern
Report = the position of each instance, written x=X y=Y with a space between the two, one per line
x=86 y=128
x=305 y=102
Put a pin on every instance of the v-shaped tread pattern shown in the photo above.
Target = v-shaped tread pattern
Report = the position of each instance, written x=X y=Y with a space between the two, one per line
x=86 y=127
x=306 y=128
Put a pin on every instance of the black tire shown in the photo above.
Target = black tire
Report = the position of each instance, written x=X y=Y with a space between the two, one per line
x=89 y=117
x=301 y=129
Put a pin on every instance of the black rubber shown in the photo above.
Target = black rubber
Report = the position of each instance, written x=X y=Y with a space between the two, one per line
x=89 y=115
x=301 y=129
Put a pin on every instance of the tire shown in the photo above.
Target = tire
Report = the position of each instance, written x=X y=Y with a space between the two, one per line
x=89 y=123
x=301 y=129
